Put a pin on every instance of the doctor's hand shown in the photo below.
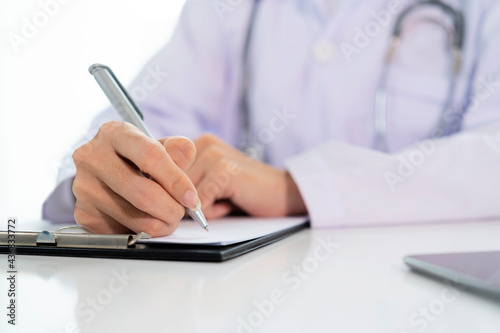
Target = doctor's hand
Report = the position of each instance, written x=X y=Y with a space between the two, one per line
x=225 y=177
x=112 y=194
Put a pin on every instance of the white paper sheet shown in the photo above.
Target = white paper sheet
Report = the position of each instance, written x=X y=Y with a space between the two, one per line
x=226 y=231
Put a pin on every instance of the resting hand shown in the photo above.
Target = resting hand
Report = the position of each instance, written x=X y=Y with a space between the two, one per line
x=222 y=172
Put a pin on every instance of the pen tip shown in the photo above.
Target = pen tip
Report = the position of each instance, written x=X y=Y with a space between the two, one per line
x=206 y=228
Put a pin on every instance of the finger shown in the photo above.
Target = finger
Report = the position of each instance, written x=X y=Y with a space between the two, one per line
x=209 y=148
x=150 y=156
x=116 y=207
x=204 y=163
x=96 y=221
x=124 y=180
x=214 y=186
x=218 y=210
x=146 y=195
x=206 y=140
x=181 y=150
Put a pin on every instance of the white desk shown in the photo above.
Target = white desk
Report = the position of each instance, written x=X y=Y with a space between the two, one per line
x=361 y=286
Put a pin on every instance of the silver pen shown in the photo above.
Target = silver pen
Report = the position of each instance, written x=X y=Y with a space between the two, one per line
x=130 y=112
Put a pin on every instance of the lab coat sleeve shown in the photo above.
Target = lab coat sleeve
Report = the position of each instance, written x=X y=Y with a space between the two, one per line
x=450 y=179
x=453 y=178
x=179 y=91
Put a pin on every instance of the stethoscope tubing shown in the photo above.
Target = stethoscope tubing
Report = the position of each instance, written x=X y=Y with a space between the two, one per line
x=450 y=120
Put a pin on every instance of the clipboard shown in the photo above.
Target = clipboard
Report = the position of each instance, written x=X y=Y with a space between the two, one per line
x=127 y=246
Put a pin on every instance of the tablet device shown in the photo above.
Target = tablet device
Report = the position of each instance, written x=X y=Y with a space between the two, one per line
x=479 y=271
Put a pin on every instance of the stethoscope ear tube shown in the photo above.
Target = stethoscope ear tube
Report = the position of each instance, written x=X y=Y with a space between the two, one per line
x=455 y=15
x=449 y=121
x=444 y=126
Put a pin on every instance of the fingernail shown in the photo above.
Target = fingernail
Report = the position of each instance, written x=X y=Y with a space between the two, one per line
x=191 y=200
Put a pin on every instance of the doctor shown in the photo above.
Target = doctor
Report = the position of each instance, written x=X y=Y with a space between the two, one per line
x=304 y=86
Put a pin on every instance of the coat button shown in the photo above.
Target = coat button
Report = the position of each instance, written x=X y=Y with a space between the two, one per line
x=324 y=51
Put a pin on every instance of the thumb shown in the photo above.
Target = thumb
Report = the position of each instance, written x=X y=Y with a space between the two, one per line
x=181 y=150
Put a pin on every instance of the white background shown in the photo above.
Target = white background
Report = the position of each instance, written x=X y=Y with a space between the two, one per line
x=47 y=96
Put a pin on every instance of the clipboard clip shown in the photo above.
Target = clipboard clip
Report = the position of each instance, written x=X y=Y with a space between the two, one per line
x=83 y=239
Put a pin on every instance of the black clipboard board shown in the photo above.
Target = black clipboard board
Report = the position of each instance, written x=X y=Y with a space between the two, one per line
x=126 y=247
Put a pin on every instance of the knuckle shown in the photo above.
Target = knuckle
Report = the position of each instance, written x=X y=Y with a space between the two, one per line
x=206 y=140
x=187 y=148
x=77 y=156
x=79 y=189
x=108 y=130
x=110 y=127
x=85 y=192
x=178 y=182
x=81 y=154
x=76 y=188
x=88 y=156
x=181 y=150
x=78 y=213
x=209 y=138
x=160 y=227
x=84 y=219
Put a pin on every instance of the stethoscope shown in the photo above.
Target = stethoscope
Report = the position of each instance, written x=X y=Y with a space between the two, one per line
x=450 y=119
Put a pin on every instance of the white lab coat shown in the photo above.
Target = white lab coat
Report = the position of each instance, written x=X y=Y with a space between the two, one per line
x=313 y=82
